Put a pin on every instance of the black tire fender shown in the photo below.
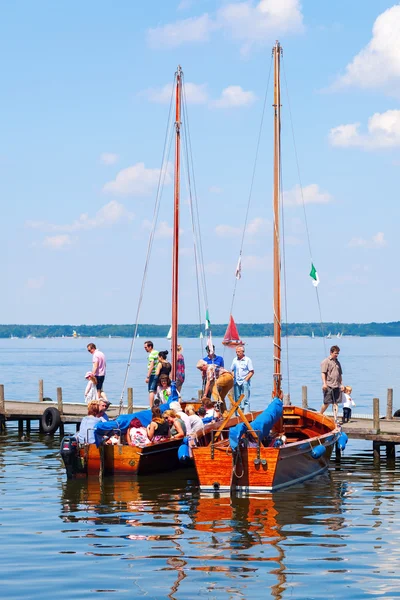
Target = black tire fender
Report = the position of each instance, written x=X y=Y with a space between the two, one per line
x=50 y=420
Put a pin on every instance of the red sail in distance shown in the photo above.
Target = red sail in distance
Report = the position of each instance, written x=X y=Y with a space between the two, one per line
x=231 y=337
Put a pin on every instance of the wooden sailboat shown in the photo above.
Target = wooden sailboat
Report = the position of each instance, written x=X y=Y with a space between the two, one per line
x=231 y=337
x=83 y=460
x=282 y=445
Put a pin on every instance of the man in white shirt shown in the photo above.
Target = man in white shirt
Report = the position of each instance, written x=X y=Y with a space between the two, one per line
x=242 y=371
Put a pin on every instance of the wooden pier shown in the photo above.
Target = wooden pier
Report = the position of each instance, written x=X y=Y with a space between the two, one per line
x=52 y=416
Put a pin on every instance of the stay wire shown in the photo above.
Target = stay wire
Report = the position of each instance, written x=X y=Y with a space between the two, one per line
x=284 y=275
x=197 y=219
x=302 y=199
x=252 y=181
x=160 y=186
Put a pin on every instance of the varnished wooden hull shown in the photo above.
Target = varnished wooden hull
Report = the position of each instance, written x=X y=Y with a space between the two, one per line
x=267 y=469
x=233 y=343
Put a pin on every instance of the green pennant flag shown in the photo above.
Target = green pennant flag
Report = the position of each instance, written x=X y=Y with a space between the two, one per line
x=314 y=275
x=207 y=320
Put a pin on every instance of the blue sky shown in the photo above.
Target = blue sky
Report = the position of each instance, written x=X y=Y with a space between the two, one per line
x=83 y=118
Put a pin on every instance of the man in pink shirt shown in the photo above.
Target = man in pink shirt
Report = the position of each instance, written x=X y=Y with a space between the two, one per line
x=99 y=366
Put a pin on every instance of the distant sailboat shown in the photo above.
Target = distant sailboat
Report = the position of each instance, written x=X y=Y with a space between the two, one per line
x=339 y=335
x=312 y=335
x=328 y=337
x=169 y=334
x=231 y=337
x=201 y=335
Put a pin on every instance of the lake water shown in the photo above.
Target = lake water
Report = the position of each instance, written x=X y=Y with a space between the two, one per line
x=334 y=537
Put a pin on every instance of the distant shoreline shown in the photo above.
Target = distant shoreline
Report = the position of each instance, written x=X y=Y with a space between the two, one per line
x=246 y=330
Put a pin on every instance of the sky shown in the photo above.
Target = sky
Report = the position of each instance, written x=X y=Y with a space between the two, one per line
x=83 y=114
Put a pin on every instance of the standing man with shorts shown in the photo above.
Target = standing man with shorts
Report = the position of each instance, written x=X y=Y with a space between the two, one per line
x=99 y=366
x=331 y=373
x=152 y=362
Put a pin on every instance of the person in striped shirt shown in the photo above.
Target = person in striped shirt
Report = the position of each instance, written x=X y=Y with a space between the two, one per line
x=152 y=362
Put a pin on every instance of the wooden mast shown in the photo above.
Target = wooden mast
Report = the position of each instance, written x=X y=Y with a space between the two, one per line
x=175 y=246
x=277 y=50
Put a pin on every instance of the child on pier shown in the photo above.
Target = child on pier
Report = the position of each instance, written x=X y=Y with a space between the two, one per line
x=347 y=403
x=90 y=391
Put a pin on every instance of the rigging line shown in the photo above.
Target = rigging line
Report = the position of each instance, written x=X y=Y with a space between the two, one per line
x=302 y=196
x=196 y=204
x=284 y=275
x=252 y=180
x=185 y=142
x=160 y=186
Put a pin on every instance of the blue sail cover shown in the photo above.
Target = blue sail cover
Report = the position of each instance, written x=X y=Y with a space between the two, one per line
x=261 y=425
x=122 y=421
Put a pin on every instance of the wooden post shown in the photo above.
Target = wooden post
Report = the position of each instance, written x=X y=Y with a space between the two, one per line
x=40 y=390
x=28 y=426
x=376 y=446
x=130 y=400
x=2 y=404
x=390 y=451
x=20 y=426
x=2 y=409
x=304 y=400
x=389 y=405
x=376 y=415
x=59 y=400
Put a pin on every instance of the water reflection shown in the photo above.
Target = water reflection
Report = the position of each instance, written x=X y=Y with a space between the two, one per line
x=229 y=543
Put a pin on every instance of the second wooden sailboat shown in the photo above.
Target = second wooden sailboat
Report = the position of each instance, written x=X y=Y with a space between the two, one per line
x=282 y=445
x=231 y=337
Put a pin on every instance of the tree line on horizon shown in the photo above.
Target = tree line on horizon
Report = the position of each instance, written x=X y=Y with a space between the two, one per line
x=193 y=331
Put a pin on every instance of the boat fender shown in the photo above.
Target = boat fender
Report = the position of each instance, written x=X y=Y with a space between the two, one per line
x=342 y=441
x=183 y=450
x=318 y=451
x=50 y=420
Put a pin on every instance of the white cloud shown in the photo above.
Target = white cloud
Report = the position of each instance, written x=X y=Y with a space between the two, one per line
x=136 y=181
x=195 y=29
x=233 y=97
x=249 y=22
x=260 y=22
x=108 y=215
x=383 y=132
x=108 y=158
x=379 y=62
x=194 y=93
x=311 y=195
x=57 y=242
x=376 y=241
x=35 y=283
x=256 y=226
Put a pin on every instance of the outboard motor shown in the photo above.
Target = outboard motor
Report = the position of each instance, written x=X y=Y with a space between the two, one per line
x=69 y=454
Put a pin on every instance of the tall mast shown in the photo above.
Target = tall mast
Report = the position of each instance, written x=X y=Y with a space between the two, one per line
x=277 y=51
x=175 y=247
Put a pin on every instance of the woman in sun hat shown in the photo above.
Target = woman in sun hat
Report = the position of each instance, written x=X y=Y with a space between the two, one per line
x=90 y=391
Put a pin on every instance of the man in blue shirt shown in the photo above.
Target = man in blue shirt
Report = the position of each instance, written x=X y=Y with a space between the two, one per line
x=242 y=371
x=212 y=358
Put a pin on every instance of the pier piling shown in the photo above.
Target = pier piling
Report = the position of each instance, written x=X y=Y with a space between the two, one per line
x=389 y=405
x=40 y=390
x=130 y=400
x=304 y=399
x=376 y=426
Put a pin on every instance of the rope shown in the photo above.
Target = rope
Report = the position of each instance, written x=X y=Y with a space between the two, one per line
x=251 y=184
x=160 y=185
x=302 y=200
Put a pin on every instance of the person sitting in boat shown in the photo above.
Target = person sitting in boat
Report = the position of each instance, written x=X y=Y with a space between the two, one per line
x=180 y=368
x=163 y=391
x=136 y=434
x=177 y=426
x=163 y=367
x=212 y=409
x=196 y=422
x=91 y=389
x=180 y=413
x=158 y=429
x=85 y=434
x=103 y=406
